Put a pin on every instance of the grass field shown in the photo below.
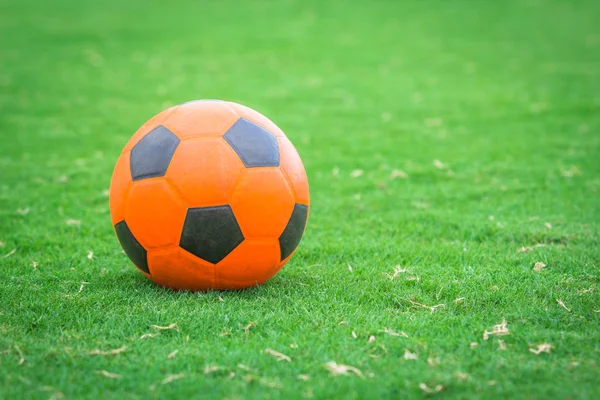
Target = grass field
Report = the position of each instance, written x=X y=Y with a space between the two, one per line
x=450 y=146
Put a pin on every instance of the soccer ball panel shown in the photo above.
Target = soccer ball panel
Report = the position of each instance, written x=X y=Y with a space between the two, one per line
x=210 y=233
x=262 y=203
x=154 y=213
x=151 y=156
x=257 y=118
x=205 y=171
x=255 y=146
x=252 y=263
x=201 y=118
x=291 y=236
x=292 y=167
x=134 y=250
x=175 y=268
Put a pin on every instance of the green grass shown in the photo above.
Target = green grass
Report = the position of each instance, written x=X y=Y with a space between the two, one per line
x=505 y=94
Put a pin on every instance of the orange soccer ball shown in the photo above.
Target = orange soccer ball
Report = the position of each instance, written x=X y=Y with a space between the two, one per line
x=209 y=195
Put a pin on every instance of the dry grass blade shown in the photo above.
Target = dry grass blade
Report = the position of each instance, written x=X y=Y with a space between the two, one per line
x=526 y=249
x=431 y=308
x=356 y=173
x=149 y=335
x=57 y=396
x=341 y=369
x=269 y=383
x=458 y=300
x=21 y=356
x=541 y=348
x=114 y=352
x=279 y=356
x=209 y=369
x=165 y=328
x=10 y=253
x=584 y=291
x=439 y=294
x=393 y=333
x=109 y=375
x=172 y=354
x=461 y=376
x=569 y=173
x=171 y=378
x=427 y=389
x=82 y=285
x=499 y=330
x=398 y=173
x=303 y=377
x=501 y=344
x=245 y=367
x=410 y=356
x=73 y=222
x=397 y=271
x=560 y=303
x=438 y=164
x=247 y=328
x=539 y=266
x=433 y=361
x=90 y=255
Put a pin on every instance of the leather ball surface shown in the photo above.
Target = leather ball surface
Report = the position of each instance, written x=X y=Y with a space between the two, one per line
x=209 y=195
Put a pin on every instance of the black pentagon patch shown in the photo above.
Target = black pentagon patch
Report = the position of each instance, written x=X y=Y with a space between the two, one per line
x=290 y=238
x=211 y=233
x=133 y=248
x=151 y=156
x=255 y=146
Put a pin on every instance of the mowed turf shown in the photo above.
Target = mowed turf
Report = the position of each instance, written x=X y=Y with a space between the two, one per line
x=450 y=146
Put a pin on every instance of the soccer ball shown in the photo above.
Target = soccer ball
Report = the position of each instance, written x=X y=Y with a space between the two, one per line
x=209 y=195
